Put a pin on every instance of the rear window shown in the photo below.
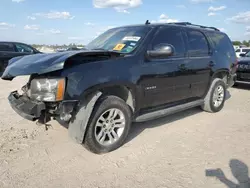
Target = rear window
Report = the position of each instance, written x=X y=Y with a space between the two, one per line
x=222 y=43
x=6 y=47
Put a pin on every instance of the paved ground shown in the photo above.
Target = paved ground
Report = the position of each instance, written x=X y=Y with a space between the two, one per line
x=171 y=152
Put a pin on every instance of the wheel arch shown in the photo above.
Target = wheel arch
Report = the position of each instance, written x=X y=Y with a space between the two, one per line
x=89 y=100
x=125 y=91
x=222 y=74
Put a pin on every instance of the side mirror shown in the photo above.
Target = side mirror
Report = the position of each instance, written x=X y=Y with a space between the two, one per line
x=242 y=55
x=161 y=51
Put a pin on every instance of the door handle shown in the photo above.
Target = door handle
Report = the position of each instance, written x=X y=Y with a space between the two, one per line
x=211 y=64
x=182 y=67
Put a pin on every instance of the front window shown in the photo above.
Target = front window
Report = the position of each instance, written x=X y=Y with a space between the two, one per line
x=123 y=40
x=24 y=48
x=172 y=36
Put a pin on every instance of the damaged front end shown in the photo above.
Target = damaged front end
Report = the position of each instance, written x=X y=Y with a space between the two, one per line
x=42 y=99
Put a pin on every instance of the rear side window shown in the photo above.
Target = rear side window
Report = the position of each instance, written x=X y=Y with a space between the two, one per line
x=172 y=36
x=222 y=43
x=6 y=47
x=197 y=43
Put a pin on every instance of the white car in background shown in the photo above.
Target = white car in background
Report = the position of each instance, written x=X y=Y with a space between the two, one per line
x=242 y=51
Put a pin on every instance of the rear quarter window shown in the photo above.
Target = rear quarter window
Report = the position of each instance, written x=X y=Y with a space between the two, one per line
x=222 y=43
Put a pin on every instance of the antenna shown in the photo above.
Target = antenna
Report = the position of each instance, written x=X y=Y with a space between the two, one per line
x=147 y=22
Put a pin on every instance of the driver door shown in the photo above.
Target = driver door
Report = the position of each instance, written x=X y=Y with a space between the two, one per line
x=166 y=79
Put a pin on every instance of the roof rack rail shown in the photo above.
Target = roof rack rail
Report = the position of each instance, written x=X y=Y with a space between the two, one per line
x=195 y=25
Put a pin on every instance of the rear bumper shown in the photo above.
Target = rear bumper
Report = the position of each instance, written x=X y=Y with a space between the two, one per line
x=28 y=109
x=231 y=80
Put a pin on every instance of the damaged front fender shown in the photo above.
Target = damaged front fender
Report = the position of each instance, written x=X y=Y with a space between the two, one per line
x=79 y=123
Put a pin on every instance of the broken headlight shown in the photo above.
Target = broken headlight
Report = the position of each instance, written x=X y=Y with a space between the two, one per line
x=48 y=90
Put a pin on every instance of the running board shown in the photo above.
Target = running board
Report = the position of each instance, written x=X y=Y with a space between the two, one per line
x=242 y=82
x=168 y=111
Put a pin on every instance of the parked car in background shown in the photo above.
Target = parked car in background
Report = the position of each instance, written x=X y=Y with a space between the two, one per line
x=75 y=48
x=243 y=70
x=60 y=49
x=128 y=74
x=242 y=50
x=9 y=50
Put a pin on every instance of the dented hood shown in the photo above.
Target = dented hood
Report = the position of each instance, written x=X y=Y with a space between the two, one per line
x=42 y=63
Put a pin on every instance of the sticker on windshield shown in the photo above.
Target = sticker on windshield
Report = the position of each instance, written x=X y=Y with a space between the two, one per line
x=132 y=38
x=119 y=47
x=132 y=44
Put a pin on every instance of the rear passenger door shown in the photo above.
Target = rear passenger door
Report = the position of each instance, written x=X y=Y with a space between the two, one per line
x=200 y=62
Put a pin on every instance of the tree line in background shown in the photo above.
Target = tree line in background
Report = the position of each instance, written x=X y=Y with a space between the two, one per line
x=244 y=42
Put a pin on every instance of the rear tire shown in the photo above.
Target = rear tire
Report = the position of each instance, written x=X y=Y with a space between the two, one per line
x=108 y=126
x=215 y=98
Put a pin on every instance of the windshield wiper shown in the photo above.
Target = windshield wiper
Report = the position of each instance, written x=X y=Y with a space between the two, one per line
x=99 y=49
x=105 y=50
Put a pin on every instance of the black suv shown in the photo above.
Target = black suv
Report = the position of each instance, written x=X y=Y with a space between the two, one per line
x=9 y=50
x=127 y=74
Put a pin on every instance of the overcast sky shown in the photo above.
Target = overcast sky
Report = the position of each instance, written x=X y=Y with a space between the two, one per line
x=79 y=21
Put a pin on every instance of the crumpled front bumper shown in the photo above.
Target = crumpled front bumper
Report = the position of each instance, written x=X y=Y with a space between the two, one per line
x=28 y=109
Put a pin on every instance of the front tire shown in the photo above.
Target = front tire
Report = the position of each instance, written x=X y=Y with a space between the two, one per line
x=108 y=126
x=215 y=98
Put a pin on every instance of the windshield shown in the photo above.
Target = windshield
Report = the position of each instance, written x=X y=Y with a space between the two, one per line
x=123 y=40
